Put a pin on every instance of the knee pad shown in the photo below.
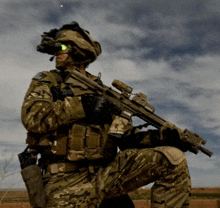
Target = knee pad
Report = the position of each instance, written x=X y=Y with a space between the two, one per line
x=174 y=155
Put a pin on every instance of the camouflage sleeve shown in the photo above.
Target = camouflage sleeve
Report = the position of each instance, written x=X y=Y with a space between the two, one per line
x=140 y=140
x=41 y=115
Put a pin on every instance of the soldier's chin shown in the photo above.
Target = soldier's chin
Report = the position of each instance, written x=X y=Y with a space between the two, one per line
x=60 y=66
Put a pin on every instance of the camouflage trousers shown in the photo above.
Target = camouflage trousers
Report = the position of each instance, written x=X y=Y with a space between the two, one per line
x=130 y=170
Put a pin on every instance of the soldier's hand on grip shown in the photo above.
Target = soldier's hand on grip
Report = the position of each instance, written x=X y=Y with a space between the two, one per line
x=171 y=135
x=98 y=109
x=26 y=159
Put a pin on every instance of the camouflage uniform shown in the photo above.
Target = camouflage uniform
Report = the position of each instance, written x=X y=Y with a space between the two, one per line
x=79 y=156
x=81 y=178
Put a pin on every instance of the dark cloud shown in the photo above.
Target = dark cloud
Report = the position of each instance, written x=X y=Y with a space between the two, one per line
x=71 y=7
x=193 y=92
x=200 y=38
x=168 y=29
x=171 y=28
x=181 y=63
x=16 y=15
x=205 y=34
x=54 y=16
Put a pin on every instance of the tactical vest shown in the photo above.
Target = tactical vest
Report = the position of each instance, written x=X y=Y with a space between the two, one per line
x=76 y=141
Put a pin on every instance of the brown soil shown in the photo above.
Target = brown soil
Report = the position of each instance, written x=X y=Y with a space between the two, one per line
x=138 y=204
x=18 y=199
x=206 y=190
x=15 y=205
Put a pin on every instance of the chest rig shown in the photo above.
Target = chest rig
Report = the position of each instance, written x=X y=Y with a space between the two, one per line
x=79 y=140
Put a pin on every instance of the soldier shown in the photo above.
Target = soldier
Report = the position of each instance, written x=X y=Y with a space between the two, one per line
x=77 y=133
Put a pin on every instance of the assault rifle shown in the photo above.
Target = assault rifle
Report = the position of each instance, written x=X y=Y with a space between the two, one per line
x=138 y=106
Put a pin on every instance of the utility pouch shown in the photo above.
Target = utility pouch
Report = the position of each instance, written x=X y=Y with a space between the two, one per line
x=76 y=143
x=59 y=146
x=33 y=180
x=94 y=137
x=94 y=142
x=77 y=137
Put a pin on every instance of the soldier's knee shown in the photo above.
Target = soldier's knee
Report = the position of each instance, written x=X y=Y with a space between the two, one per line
x=174 y=155
x=177 y=175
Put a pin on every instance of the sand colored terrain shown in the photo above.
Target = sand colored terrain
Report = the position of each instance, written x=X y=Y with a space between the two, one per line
x=201 y=198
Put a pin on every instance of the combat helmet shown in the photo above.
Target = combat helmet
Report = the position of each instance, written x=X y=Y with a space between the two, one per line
x=84 y=48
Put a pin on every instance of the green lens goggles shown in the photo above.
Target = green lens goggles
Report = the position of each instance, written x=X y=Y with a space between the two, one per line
x=63 y=47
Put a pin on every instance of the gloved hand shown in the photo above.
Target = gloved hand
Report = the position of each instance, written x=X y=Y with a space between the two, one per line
x=169 y=132
x=26 y=159
x=98 y=109
x=171 y=135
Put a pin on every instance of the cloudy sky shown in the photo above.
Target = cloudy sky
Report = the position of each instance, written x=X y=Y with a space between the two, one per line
x=167 y=49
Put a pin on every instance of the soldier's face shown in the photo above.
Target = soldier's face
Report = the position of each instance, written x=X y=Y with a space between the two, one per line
x=63 y=58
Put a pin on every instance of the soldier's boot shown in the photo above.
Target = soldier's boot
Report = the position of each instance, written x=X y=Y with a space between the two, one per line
x=118 y=202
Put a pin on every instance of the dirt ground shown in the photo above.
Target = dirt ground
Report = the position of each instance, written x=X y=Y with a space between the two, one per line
x=18 y=199
x=206 y=190
x=138 y=204
x=15 y=205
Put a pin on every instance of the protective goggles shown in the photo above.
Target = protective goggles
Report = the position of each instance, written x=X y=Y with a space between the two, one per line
x=63 y=47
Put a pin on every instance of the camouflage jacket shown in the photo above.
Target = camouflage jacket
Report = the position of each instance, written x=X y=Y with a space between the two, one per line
x=52 y=121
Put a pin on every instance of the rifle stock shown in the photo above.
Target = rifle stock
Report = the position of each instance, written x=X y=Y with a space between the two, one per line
x=138 y=106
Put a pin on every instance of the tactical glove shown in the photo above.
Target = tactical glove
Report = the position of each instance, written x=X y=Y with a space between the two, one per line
x=170 y=135
x=26 y=159
x=98 y=109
